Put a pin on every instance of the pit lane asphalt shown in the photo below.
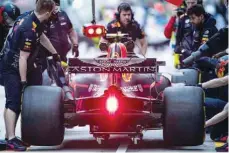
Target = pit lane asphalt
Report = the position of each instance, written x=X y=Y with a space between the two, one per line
x=78 y=139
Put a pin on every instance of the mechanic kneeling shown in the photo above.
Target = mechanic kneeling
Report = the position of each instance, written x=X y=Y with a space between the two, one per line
x=203 y=28
x=216 y=104
x=125 y=23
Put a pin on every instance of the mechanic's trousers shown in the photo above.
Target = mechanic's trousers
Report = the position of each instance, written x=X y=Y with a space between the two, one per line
x=214 y=106
x=12 y=84
x=1 y=69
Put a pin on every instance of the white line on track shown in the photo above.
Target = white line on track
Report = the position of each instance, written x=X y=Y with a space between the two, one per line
x=122 y=148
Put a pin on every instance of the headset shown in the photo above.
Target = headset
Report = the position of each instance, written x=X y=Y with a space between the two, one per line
x=124 y=6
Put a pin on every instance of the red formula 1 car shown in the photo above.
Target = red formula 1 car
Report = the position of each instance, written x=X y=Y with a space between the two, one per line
x=116 y=94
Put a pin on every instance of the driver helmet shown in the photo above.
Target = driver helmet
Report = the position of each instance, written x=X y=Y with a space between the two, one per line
x=222 y=67
x=10 y=13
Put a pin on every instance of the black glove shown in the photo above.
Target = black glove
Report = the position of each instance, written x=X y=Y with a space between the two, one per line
x=56 y=58
x=75 y=50
x=186 y=52
x=199 y=85
x=23 y=85
x=178 y=49
x=103 y=46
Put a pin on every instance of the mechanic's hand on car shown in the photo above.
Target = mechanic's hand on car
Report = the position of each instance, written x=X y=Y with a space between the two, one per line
x=220 y=54
x=103 y=46
x=56 y=57
x=75 y=51
x=186 y=52
x=23 y=85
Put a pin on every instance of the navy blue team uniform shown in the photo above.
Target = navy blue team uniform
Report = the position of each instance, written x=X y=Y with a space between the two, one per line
x=57 y=30
x=190 y=38
x=133 y=29
x=25 y=36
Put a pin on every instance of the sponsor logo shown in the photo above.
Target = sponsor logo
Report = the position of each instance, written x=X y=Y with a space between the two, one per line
x=206 y=32
x=135 y=88
x=127 y=77
x=127 y=65
x=187 y=21
x=28 y=43
x=85 y=69
x=64 y=23
x=28 y=40
x=98 y=88
x=52 y=26
x=34 y=26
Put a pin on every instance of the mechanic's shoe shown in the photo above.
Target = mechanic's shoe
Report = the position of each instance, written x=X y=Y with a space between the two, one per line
x=16 y=145
x=23 y=142
x=221 y=139
x=223 y=148
x=3 y=144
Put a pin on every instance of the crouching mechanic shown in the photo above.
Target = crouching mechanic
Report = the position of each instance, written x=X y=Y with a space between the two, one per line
x=218 y=42
x=216 y=104
x=203 y=29
x=125 y=23
x=20 y=45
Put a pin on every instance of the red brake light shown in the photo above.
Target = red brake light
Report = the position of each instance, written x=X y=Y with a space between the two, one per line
x=112 y=104
x=94 y=30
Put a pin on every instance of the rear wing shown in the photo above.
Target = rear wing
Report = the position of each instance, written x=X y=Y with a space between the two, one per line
x=114 y=65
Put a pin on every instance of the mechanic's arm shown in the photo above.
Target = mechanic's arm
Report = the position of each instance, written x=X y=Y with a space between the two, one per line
x=47 y=44
x=220 y=54
x=23 y=64
x=73 y=37
x=103 y=42
x=169 y=28
x=218 y=117
x=218 y=82
x=144 y=45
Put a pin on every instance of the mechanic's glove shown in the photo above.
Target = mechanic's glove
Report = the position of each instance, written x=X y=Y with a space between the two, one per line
x=178 y=49
x=103 y=46
x=23 y=85
x=129 y=45
x=186 y=52
x=204 y=49
x=56 y=57
x=220 y=54
x=75 y=50
x=199 y=85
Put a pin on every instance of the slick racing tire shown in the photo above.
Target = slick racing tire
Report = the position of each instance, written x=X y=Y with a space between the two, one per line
x=42 y=118
x=46 y=80
x=184 y=116
x=187 y=76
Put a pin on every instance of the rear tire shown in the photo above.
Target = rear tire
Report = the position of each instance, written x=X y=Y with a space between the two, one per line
x=189 y=77
x=42 y=118
x=184 y=116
